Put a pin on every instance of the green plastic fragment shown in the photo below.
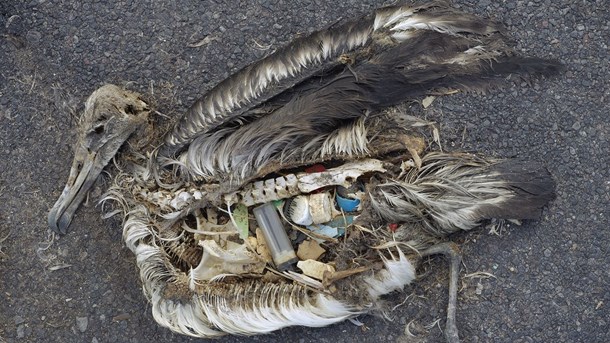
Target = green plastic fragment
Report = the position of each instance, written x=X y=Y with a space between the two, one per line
x=240 y=218
x=278 y=204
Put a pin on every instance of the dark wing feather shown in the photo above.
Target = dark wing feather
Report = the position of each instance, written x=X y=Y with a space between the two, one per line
x=264 y=112
x=309 y=56
x=255 y=84
x=532 y=186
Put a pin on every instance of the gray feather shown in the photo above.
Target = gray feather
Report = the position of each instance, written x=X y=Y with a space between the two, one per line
x=454 y=192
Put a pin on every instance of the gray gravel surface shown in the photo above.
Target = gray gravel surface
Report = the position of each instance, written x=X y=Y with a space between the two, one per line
x=550 y=279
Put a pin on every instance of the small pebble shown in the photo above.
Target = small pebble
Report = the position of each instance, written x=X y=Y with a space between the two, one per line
x=82 y=323
x=572 y=151
x=33 y=36
x=479 y=289
x=21 y=331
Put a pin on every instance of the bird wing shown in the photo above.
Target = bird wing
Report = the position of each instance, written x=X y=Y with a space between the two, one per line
x=316 y=54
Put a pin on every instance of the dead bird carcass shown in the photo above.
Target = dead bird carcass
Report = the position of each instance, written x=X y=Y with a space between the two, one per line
x=292 y=193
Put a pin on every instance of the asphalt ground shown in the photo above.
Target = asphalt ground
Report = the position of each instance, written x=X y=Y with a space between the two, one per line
x=550 y=277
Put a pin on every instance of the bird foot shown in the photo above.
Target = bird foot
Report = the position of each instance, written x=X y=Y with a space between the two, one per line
x=451 y=251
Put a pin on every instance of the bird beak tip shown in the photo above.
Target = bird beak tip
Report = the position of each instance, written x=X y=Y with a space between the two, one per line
x=82 y=177
x=59 y=225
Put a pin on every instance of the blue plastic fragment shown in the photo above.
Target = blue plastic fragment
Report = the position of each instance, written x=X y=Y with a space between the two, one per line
x=341 y=221
x=333 y=228
x=346 y=204
x=324 y=230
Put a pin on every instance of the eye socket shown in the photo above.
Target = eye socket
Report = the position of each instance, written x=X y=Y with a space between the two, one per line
x=103 y=117
x=130 y=109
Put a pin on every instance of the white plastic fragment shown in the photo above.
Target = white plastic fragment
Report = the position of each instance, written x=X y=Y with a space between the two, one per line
x=321 y=207
x=299 y=212
x=314 y=269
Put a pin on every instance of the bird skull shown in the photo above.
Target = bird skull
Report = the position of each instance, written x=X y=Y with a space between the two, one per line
x=111 y=115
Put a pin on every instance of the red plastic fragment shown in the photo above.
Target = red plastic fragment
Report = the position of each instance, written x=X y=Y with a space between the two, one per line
x=316 y=168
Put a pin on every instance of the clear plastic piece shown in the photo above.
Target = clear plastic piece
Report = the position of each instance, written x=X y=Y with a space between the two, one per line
x=275 y=235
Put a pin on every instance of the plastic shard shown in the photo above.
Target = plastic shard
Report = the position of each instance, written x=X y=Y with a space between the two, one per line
x=315 y=269
x=310 y=250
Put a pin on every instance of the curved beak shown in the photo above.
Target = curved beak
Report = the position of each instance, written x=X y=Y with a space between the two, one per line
x=86 y=168
x=111 y=116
